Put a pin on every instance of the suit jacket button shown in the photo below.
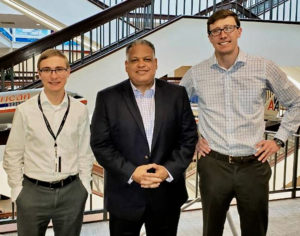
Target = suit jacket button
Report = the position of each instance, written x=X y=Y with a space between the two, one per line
x=146 y=157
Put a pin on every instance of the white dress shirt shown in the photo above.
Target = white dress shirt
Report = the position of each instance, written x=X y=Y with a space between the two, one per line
x=30 y=146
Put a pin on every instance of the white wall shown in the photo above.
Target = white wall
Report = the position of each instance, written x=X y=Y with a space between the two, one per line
x=66 y=12
x=185 y=42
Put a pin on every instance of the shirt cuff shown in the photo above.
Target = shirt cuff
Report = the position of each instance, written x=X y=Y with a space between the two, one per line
x=130 y=180
x=282 y=134
x=170 y=178
x=86 y=183
x=15 y=192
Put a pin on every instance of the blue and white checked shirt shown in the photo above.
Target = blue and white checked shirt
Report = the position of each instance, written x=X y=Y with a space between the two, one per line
x=146 y=104
x=231 y=102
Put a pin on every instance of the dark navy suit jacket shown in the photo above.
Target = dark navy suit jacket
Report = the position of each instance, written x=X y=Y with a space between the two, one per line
x=119 y=143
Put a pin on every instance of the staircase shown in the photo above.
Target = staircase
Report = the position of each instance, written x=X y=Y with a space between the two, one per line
x=119 y=23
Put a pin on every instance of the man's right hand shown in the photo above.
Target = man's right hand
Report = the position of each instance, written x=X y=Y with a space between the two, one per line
x=146 y=179
x=202 y=147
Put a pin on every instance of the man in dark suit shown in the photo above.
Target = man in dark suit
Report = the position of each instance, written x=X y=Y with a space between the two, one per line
x=144 y=134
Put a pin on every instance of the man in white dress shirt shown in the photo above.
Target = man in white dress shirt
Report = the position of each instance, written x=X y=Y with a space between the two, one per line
x=48 y=158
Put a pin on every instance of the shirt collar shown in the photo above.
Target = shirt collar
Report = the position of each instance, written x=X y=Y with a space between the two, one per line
x=240 y=60
x=149 y=92
x=45 y=100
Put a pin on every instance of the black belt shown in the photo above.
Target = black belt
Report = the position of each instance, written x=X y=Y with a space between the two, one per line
x=56 y=184
x=232 y=159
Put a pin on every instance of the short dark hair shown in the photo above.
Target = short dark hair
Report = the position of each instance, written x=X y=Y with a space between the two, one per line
x=222 y=14
x=140 y=41
x=51 y=53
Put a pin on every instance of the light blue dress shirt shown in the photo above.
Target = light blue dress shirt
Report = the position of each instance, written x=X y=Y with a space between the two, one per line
x=231 y=102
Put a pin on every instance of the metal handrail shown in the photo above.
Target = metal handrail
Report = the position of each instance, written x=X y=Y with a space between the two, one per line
x=121 y=22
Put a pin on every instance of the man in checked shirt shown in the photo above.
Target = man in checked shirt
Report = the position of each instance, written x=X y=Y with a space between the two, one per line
x=231 y=87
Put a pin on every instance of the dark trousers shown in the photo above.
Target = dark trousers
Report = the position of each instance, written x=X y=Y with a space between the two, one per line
x=37 y=205
x=156 y=224
x=221 y=181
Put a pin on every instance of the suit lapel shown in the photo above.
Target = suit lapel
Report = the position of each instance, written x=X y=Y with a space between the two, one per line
x=159 y=111
x=132 y=106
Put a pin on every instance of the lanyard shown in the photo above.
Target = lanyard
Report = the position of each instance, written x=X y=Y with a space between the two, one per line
x=57 y=159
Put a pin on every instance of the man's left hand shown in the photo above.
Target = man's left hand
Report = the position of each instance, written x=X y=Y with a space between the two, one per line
x=265 y=149
x=159 y=172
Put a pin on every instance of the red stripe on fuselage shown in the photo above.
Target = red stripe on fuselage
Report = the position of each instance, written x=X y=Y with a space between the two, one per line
x=7 y=110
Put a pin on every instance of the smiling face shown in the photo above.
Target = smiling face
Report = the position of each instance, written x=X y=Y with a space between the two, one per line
x=225 y=43
x=141 y=66
x=54 y=82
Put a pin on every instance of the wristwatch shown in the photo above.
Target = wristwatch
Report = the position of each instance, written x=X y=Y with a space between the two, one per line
x=279 y=142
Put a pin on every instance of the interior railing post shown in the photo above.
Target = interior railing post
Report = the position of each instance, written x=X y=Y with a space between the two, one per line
x=297 y=9
x=12 y=78
x=91 y=196
x=104 y=202
x=283 y=11
x=275 y=171
x=101 y=36
x=160 y=11
x=82 y=47
x=13 y=210
x=197 y=177
x=168 y=9
x=70 y=57
x=295 y=167
x=277 y=9
x=23 y=74
x=33 y=68
x=91 y=42
x=290 y=14
x=97 y=38
x=127 y=24
x=26 y=73
x=152 y=14
x=214 y=5
x=118 y=29
x=271 y=10
x=109 y=33
x=285 y=163
x=199 y=6
x=135 y=21
x=2 y=80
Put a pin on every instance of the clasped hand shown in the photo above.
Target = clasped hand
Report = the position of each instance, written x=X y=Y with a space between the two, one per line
x=150 y=176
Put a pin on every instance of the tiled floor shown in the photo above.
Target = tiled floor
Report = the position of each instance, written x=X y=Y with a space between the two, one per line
x=284 y=220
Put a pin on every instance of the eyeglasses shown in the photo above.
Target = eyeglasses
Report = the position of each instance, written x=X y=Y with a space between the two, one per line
x=58 y=70
x=226 y=29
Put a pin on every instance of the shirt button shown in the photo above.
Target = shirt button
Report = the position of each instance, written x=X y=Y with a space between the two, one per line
x=146 y=157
